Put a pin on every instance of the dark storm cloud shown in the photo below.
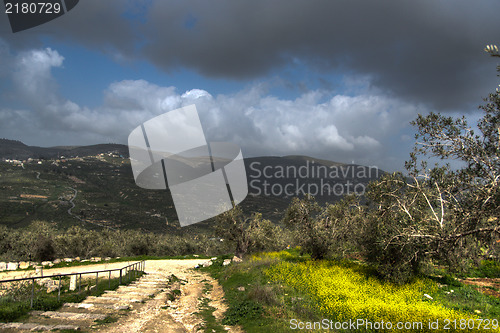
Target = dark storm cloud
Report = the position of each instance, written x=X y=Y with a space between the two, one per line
x=96 y=24
x=425 y=51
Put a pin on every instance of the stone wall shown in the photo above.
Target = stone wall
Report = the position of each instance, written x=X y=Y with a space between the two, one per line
x=12 y=266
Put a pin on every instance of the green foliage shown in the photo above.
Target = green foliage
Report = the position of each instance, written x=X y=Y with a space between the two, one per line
x=249 y=234
x=485 y=269
x=313 y=233
x=321 y=231
x=41 y=241
x=242 y=311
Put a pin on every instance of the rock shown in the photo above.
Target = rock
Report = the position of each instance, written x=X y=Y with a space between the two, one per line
x=241 y=288
x=195 y=255
x=51 y=285
x=12 y=266
x=95 y=259
x=24 y=264
x=68 y=260
x=51 y=289
x=428 y=296
x=3 y=266
x=213 y=258
x=207 y=263
x=226 y=262
x=72 y=282
x=237 y=259
x=107 y=258
x=77 y=259
x=56 y=261
x=47 y=263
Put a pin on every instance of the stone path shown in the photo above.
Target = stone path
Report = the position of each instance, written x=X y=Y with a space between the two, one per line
x=142 y=306
x=108 y=307
x=163 y=315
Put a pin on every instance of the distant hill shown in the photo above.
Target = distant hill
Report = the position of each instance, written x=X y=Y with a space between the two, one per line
x=289 y=176
x=12 y=149
x=108 y=195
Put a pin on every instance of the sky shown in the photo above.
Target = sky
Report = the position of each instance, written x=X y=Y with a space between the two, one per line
x=339 y=80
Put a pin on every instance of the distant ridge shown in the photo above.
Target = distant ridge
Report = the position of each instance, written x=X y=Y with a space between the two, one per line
x=11 y=142
x=110 y=193
x=13 y=149
x=272 y=176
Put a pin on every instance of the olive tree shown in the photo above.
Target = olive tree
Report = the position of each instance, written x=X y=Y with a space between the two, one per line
x=440 y=212
x=249 y=234
x=335 y=229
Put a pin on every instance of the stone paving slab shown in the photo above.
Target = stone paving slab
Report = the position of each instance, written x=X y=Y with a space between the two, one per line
x=110 y=298
x=70 y=315
x=88 y=310
x=129 y=293
x=36 y=327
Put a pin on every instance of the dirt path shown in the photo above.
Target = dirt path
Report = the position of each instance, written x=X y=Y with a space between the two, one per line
x=161 y=312
x=180 y=315
x=485 y=285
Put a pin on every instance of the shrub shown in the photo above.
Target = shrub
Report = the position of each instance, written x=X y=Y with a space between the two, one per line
x=249 y=234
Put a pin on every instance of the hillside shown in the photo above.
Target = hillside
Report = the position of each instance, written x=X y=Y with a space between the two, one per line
x=12 y=149
x=107 y=196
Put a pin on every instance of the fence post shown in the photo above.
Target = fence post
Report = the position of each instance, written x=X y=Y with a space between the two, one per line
x=80 y=283
x=32 y=293
x=96 y=279
x=109 y=280
x=59 y=289
x=120 y=276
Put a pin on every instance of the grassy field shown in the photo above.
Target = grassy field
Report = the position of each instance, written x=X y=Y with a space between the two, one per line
x=281 y=291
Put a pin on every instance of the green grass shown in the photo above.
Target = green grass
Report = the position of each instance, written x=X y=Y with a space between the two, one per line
x=486 y=269
x=246 y=308
x=210 y=324
x=466 y=299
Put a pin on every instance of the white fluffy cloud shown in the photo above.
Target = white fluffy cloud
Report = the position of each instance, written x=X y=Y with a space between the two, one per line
x=342 y=128
x=33 y=73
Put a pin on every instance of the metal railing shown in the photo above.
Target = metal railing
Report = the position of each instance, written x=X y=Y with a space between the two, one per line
x=131 y=271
